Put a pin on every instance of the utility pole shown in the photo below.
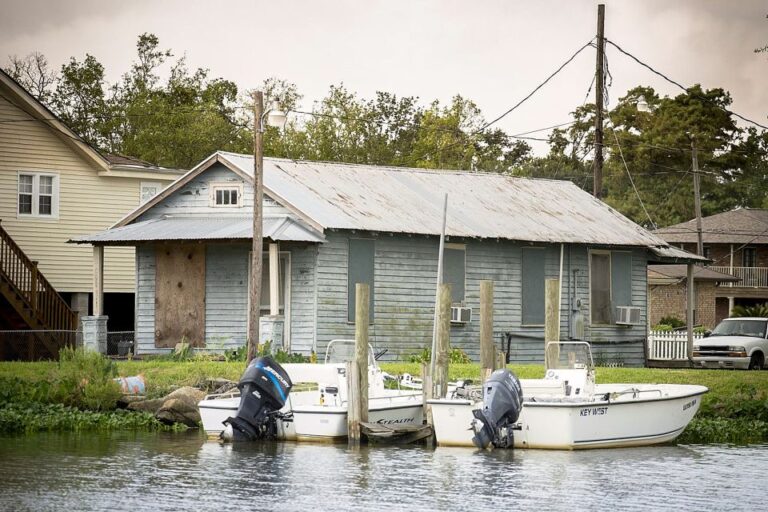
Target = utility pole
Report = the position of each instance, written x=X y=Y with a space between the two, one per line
x=697 y=198
x=256 y=258
x=598 y=185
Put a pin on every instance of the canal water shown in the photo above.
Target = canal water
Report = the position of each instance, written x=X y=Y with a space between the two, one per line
x=82 y=472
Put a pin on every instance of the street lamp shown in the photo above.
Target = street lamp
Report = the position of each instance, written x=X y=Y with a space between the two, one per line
x=274 y=117
x=642 y=105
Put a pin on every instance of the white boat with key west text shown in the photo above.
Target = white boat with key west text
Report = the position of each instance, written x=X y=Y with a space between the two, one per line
x=568 y=410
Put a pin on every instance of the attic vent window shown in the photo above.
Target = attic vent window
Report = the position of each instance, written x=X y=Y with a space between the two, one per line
x=227 y=195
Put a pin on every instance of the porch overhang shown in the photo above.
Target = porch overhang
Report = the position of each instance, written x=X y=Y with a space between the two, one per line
x=279 y=228
x=672 y=255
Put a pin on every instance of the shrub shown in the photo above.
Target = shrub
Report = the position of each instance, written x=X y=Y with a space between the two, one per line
x=760 y=310
x=662 y=328
x=456 y=356
x=673 y=321
x=84 y=380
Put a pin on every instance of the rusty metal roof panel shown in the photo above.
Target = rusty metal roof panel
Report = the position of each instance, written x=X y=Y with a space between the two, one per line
x=482 y=205
x=278 y=228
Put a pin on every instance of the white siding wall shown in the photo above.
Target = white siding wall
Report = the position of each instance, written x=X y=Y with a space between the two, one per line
x=87 y=203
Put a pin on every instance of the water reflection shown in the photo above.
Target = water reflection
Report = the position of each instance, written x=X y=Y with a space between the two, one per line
x=184 y=471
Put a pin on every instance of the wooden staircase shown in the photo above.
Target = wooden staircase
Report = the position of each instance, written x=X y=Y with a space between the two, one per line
x=34 y=300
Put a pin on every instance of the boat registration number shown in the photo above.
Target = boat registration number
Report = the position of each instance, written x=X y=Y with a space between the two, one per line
x=593 y=411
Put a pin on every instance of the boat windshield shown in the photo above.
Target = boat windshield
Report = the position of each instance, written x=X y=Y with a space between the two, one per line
x=736 y=327
x=341 y=351
x=569 y=355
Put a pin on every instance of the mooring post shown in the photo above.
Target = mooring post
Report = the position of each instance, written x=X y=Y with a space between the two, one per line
x=440 y=378
x=358 y=376
x=426 y=391
x=551 y=321
x=487 y=352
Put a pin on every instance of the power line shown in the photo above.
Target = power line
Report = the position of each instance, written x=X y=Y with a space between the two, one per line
x=653 y=224
x=665 y=77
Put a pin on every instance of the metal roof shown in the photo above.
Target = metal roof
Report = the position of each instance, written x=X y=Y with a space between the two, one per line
x=680 y=272
x=482 y=205
x=740 y=226
x=277 y=228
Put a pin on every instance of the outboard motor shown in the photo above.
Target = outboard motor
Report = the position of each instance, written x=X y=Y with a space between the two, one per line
x=264 y=389
x=502 y=403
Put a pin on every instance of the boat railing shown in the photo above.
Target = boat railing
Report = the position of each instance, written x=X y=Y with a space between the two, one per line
x=635 y=392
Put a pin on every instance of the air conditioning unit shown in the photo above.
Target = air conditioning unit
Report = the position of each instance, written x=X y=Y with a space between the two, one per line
x=627 y=315
x=461 y=315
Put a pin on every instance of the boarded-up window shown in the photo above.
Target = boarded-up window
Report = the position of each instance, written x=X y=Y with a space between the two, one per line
x=533 y=286
x=600 y=287
x=360 y=270
x=621 y=278
x=454 y=270
x=180 y=295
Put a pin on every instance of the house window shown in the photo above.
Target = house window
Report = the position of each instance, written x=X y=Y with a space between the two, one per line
x=226 y=195
x=148 y=190
x=749 y=257
x=707 y=252
x=359 y=270
x=454 y=270
x=38 y=195
x=610 y=284
x=533 y=286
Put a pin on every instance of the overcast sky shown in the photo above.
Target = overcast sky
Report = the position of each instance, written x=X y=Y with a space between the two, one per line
x=493 y=52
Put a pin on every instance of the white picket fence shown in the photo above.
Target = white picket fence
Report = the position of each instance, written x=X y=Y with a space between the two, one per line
x=669 y=345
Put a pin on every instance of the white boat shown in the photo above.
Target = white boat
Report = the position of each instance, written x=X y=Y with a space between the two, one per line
x=567 y=410
x=316 y=408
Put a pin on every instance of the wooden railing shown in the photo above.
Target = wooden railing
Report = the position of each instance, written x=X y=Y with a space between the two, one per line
x=30 y=286
x=669 y=345
x=751 y=277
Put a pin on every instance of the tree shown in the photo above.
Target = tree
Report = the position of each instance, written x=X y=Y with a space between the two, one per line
x=33 y=73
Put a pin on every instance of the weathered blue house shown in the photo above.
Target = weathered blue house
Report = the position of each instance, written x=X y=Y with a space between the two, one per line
x=331 y=225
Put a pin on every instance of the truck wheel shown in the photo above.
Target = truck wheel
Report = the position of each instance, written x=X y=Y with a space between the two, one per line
x=756 y=361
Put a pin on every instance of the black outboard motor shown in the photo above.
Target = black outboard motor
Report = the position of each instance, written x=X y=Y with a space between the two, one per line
x=264 y=389
x=502 y=403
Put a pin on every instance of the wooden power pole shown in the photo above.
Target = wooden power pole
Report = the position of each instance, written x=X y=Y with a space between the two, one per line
x=697 y=199
x=258 y=198
x=598 y=185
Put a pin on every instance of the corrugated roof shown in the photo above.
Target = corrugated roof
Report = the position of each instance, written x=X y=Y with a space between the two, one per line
x=483 y=205
x=741 y=226
x=277 y=228
x=677 y=272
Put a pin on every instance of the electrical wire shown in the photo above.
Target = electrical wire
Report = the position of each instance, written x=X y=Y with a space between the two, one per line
x=632 y=182
x=665 y=77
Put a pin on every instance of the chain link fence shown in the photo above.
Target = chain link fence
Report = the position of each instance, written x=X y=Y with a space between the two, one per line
x=29 y=345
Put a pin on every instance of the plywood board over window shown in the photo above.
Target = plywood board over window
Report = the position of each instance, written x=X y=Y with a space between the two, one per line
x=180 y=295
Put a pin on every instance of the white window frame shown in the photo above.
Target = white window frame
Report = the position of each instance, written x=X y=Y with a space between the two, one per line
x=226 y=186
x=149 y=184
x=610 y=285
x=264 y=309
x=54 y=215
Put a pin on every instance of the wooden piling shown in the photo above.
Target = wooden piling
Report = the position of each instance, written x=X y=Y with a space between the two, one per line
x=487 y=352
x=440 y=378
x=358 y=372
x=551 y=320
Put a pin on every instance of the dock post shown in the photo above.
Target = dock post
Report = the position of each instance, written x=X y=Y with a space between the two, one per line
x=551 y=320
x=440 y=378
x=357 y=410
x=487 y=352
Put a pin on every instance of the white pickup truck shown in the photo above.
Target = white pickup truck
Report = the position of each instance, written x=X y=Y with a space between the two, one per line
x=734 y=343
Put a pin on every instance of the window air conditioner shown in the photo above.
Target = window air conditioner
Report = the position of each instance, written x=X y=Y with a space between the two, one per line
x=627 y=315
x=461 y=315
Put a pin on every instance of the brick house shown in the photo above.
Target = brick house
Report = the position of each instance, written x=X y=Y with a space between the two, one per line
x=737 y=243
x=667 y=293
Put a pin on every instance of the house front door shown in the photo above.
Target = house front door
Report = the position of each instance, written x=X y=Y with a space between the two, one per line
x=179 y=295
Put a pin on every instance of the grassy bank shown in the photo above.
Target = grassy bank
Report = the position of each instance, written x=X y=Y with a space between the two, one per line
x=735 y=410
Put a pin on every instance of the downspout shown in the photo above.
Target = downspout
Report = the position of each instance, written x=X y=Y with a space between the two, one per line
x=560 y=291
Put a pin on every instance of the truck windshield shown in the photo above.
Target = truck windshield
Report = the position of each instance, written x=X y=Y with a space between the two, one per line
x=735 y=327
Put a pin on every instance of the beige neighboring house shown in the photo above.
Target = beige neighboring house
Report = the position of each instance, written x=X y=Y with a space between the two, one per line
x=54 y=187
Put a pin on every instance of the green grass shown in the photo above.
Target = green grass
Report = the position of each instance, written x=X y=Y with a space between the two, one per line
x=734 y=410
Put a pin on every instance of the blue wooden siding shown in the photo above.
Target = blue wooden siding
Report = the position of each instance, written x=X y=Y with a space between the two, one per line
x=193 y=199
x=405 y=270
x=226 y=297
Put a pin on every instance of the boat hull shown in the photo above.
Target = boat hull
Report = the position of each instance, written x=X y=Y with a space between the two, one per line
x=319 y=422
x=653 y=416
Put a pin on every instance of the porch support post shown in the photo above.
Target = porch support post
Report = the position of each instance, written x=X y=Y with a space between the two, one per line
x=98 y=280
x=274 y=279
x=731 y=304
x=689 y=310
